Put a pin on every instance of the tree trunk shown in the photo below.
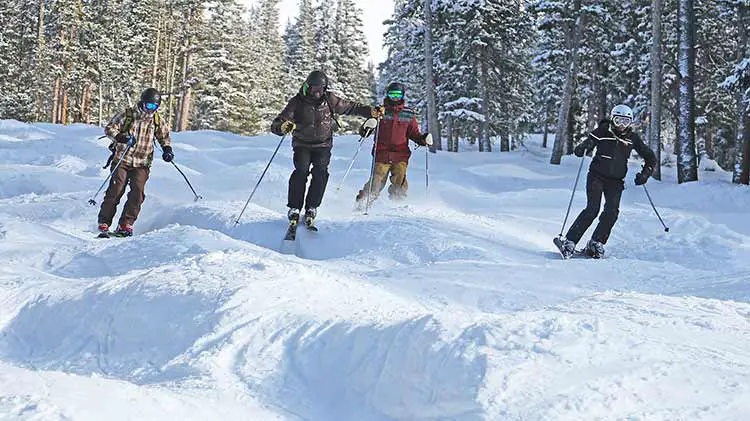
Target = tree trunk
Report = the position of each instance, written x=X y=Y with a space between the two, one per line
x=562 y=116
x=55 y=100
x=745 y=175
x=432 y=118
x=39 y=59
x=64 y=107
x=154 y=71
x=183 y=110
x=170 y=86
x=449 y=129
x=687 y=166
x=101 y=105
x=742 y=140
x=571 y=130
x=546 y=125
x=656 y=76
x=485 y=126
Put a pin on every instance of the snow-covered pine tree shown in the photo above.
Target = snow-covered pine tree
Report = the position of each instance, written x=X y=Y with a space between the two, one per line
x=324 y=41
x=18 y=45
x=268 y=93
x=350 y=53
x=221 y=103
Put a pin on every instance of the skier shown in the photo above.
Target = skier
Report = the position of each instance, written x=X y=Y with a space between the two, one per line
x=391 y=149
x=309 y=116
x=133 y=130
x=614 y=139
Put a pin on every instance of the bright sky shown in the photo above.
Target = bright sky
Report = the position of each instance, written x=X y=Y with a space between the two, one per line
x=374 y=13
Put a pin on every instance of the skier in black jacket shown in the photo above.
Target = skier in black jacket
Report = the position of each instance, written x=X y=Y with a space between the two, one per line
x=614 y=139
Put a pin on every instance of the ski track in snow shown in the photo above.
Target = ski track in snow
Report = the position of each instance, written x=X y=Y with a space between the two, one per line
x=453 y=305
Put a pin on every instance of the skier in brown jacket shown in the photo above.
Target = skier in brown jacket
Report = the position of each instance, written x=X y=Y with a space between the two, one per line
x=309 y=116
x=133 y=131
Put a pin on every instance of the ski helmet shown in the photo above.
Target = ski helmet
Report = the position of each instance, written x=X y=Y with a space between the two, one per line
x=621 y=116
x=316 y=82
x=150 y=100
x=395 y=91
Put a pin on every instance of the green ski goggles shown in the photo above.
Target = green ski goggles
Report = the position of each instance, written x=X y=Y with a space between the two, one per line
x=395 y=95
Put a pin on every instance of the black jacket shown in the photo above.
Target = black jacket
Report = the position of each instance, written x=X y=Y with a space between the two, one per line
x=314 y=118
x=613 y=151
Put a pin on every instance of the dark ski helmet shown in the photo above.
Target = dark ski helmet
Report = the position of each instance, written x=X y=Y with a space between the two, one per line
x=150 y=100
x=316 y=83
x=395 y=92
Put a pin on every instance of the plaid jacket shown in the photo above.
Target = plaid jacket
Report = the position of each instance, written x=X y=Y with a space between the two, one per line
x=144 y=129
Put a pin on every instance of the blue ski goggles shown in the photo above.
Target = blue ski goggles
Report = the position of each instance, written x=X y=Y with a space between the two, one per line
x=151 y=106
x=395 y=95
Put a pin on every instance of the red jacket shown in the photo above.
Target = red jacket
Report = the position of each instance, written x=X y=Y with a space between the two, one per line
x=396 y=128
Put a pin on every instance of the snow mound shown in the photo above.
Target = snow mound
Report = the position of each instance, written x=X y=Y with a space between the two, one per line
x=453 y=305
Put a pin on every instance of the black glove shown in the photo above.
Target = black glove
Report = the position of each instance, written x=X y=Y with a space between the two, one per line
x=641 y=178
x=580 y=151
x=167 y=154
x=122 y=138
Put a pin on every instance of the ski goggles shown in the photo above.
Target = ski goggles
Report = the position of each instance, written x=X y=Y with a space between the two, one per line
x=151 y=106
x=395 y=95
x=622 y=121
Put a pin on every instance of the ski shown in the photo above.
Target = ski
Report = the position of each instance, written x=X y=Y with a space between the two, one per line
x=291 y=231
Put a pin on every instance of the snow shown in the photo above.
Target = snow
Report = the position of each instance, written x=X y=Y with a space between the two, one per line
x=451 y=306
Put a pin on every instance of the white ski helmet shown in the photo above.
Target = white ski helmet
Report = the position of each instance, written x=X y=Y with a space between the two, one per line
x=621 y=116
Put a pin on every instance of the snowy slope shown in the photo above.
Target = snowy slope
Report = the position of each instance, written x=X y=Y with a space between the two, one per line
x=452 y=306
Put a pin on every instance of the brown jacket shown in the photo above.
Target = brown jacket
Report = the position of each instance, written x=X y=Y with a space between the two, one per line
x=144 y=129
x=314 y=118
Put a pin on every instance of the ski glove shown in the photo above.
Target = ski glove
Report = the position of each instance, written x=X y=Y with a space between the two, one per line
x=580 y=151
x=427 y=139
x=641 y=178
x=368 y=127
x=287 y=127
x=377 y=112
x=167 y=154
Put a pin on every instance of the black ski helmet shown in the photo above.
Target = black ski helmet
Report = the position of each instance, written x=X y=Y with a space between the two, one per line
x=395 y=86
x=149 y=96
x=315 y=78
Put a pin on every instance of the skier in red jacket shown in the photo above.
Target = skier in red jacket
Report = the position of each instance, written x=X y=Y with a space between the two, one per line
x=391 y=150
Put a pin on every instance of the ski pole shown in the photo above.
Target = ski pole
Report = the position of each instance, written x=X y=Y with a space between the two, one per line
x=197 y=196
x=92 y=202
x=351 y=164
x=259 y=180
x=372 y=168
x=666 y=229
x=575 y=186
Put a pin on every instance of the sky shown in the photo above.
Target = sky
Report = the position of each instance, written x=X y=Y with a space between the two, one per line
x=374 y=13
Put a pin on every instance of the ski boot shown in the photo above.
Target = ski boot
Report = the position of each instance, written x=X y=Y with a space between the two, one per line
x=103 y=230
x=310 y=219
x=291 y=232
x=124 y=230
x=567 y=248
x=595 y=249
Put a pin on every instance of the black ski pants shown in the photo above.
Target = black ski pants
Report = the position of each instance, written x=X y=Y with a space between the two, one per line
x=596 y=186
x=304 y=157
